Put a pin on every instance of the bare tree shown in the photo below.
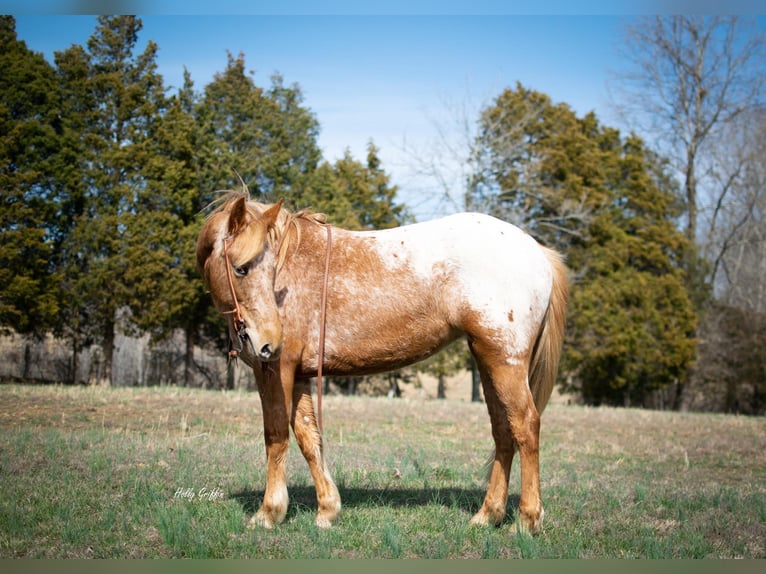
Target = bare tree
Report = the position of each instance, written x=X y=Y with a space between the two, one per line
x=697 y=90
x=736 y=231
x=692 y=76
x=440 y=168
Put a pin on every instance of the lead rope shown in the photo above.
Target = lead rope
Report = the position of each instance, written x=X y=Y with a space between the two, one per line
x=322 y=325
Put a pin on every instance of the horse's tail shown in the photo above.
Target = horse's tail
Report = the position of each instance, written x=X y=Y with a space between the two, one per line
x=544 y=365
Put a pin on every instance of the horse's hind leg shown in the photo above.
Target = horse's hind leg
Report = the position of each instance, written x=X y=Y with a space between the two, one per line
x=310 y=442
x=515 y=426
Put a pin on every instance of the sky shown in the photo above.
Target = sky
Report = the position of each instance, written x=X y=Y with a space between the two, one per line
x=399 y=77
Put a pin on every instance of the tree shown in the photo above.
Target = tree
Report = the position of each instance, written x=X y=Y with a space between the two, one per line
x=353 y=194
x=265 y=138
x=76 y=102
x=736 y=243
x=29 y=142
x=729 y=375
x=373 y=197
x=609 y=204
x=697 y=85
x=124 y=101
x=536 y=165
x=166 y=293
x=632 y=322
x=693 y=76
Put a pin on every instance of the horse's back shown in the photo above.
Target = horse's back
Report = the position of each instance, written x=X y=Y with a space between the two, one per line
x=498 y=276
x=481 y=250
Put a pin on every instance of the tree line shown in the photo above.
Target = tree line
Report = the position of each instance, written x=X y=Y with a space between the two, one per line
x=105 y=173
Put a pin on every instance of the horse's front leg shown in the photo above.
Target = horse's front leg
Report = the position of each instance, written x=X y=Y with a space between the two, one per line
x=276 y=401
x=310 y=441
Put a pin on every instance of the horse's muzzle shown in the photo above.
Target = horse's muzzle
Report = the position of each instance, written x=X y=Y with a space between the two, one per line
x=266 y=352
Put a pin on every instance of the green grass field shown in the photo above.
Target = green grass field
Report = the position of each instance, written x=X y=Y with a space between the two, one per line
x=166 y=472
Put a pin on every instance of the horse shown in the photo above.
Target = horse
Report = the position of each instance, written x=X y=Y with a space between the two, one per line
x=384 y=299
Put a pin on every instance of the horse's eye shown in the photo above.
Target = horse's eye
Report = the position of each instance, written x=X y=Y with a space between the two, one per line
x=241 y=271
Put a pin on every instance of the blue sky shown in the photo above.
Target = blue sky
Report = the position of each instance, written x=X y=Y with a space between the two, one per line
x=387 y=78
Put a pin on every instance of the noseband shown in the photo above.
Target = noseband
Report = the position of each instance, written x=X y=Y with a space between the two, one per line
x=239 y=322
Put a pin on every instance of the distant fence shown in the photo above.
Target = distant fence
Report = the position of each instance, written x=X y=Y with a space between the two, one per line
x=136 y=362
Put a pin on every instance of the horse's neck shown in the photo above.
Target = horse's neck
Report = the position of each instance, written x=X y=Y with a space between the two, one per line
x=308 y=253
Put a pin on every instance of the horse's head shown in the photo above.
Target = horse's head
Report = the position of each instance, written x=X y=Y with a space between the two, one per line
x=237 y=258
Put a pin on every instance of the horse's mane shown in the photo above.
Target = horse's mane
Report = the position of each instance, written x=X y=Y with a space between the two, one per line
x=285 y=232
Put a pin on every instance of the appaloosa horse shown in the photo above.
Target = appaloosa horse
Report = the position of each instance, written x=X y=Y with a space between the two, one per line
x=392 y=298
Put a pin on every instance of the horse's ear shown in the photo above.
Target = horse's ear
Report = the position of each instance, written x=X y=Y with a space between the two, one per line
x=238 y=216
x=271 y=214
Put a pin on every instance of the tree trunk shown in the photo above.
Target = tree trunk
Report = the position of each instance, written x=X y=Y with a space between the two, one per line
x=441 y=387
x=475 y=383
x=189 y=356
x=74 y=365
x=394 y=391
x=108 y=348
x=27 y=360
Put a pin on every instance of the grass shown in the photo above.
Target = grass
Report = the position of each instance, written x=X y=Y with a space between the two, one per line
x=167 y=472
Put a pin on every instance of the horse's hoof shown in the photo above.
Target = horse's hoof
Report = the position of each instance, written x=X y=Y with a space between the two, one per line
x=487 y=517
x=529 y=525
x=327 y=515
x=323 y=521
x=262 y=520
x=479 y=520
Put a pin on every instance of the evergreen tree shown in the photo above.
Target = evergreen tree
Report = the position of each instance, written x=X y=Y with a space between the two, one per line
x=369 y=189
x=355 y=195
x=610 y=206
x=121 y=98
x=76 y=103
x=264 y=138
x=29 y=142
x=538 y=166
x=632 y=320
x=174 y=296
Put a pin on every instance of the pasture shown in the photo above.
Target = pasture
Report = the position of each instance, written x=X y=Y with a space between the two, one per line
x=169 y=472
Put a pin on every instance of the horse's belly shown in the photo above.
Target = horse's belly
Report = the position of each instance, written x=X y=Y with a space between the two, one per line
x=374 y=347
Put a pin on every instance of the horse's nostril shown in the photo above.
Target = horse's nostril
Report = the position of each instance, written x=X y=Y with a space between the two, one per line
x=266 y=351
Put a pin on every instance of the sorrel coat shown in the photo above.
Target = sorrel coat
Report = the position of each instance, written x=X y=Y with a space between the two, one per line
x=394 y=297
